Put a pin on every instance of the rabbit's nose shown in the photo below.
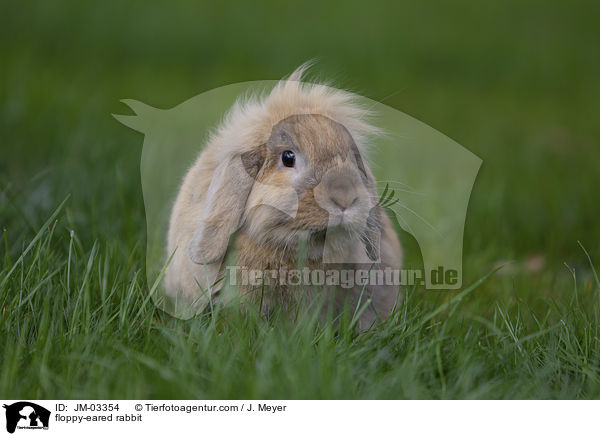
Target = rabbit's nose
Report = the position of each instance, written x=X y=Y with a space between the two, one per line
x=345 y=203
x=342 y=193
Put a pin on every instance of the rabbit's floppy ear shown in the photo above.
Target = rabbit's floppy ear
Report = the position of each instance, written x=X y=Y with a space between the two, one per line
x=373 y=229
x=372 y=235
x=225 y=203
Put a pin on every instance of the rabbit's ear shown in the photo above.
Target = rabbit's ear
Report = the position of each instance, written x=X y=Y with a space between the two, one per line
x=224 y=206
x=372 y=235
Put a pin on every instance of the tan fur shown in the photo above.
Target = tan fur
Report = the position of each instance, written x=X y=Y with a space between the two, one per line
x=239 y=174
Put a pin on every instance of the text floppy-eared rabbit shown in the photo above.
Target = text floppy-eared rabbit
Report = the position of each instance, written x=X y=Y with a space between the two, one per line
x=284 y=171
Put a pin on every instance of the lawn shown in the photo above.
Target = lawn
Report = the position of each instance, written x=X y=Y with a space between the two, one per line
x=514 y=82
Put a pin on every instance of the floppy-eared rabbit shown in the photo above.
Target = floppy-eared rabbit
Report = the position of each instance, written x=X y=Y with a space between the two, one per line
x=283 y=177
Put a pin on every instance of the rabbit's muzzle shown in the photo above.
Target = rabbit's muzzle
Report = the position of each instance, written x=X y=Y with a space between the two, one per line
x=342 y=194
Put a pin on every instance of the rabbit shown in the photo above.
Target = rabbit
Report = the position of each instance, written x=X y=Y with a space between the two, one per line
x=284 y=179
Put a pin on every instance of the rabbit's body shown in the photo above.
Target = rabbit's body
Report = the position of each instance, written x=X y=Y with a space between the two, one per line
x=382 y=297
x=284 y=175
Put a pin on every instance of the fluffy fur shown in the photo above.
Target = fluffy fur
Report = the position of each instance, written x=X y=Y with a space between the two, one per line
x=238 y=194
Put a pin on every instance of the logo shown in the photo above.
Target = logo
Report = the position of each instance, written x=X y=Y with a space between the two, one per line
x=26 y=415
x=332 y=210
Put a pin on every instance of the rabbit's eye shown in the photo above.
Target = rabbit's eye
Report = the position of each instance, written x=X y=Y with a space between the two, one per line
x=288 y=158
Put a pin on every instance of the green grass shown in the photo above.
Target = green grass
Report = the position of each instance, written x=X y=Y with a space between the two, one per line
x=77 y=323
x=516 y=83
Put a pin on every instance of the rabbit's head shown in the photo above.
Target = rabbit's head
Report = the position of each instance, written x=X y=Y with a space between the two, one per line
x=307 y=181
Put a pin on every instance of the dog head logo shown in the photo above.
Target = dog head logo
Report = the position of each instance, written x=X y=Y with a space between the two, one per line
x=26 y=415
x=422 y=179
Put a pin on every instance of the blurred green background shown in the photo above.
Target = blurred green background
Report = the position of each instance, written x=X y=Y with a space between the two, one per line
x=515 y=82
